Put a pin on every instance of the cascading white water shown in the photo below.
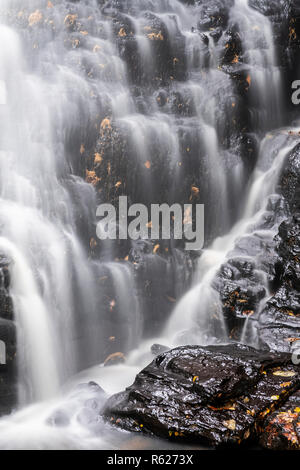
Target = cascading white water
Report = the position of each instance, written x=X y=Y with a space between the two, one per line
x=259 y=56
x=194 y=312
x=40 y=104
x=202 y=302
x=49 y=266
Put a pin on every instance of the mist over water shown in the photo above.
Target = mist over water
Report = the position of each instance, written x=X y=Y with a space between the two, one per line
x=53 y=92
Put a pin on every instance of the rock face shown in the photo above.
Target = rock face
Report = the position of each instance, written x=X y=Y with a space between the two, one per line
x=282 y=427
x=279 y=322
x=212 y=395
x=8 y=387
x=279 y=325
x=267 y=257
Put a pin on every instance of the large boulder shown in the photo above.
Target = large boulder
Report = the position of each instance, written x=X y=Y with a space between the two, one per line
x=212 y=395
x=282 y=427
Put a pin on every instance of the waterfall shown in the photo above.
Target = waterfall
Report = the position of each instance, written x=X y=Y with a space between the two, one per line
x=265 y=82
x=104 y=98
x=39 y=221
x=194 y=313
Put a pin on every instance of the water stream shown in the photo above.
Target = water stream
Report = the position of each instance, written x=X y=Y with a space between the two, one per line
x=49 y=95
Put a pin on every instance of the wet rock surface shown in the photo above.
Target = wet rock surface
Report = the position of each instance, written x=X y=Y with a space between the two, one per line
x=279 y=322
x=267 y=258
x=100 y=151
x=8 y=342
x=216 y=395
x=282 y=427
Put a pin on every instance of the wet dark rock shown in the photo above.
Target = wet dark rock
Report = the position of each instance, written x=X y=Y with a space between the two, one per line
x=269 y=7
x=289 y=184
x=214 y=14
x=281 y=429
x=8 y=391
x=214 y=395
x=279 y=324
x=241 y=280
x=8 y=339
x=232 y=46
x=259 y=259
x=279 y=320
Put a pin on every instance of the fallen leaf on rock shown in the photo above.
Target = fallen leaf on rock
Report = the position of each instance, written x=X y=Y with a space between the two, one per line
x=35 y=18
x=70 y=20
x=155 y=36
x=98 y=159
x=115 y=357
x=92 y=178
x=284 y=373
x=122 y=33
x=105 y=124
x=230 y=424
x=291 y=340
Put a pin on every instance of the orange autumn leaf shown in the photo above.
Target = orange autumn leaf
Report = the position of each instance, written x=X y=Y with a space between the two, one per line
x=105 y=124
x=155 y=36
x=92 y=178
x=147 y=164
x=35 y=18
x=122 y=33
x=70 y=20
x=98 y=158
x=187 y=219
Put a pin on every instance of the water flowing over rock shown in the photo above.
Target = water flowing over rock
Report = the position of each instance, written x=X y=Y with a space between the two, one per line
x=161 y=101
